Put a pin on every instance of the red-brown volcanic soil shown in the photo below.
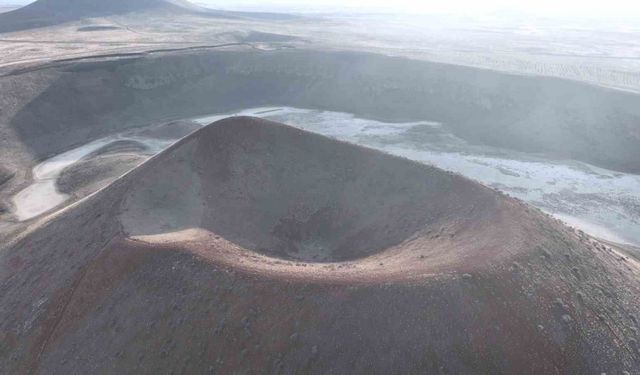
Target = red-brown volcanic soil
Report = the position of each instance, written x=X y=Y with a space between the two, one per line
x=251 y=247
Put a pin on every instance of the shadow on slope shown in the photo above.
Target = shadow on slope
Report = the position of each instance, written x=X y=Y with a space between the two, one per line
x=283 y=192
x=560 y=119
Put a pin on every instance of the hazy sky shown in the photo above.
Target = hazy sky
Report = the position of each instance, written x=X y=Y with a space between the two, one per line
x=608 y=8
x=624 y=8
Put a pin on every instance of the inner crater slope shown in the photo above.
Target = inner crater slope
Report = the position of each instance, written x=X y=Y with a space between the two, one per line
x=250 y=190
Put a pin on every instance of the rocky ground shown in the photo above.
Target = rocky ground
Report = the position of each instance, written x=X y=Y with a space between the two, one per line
x=91 y=175
x=50 y=110
x=153 y=278
x=221 y=254
x=604 y=53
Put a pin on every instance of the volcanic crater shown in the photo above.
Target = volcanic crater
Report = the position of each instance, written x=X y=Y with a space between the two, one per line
x=276 y=193
x=253 y=247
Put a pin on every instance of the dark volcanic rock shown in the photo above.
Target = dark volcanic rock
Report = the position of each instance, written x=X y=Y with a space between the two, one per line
x=52 y=12
x=44 y=13
x=5 y=175
x=202 y=261
x=89 y=175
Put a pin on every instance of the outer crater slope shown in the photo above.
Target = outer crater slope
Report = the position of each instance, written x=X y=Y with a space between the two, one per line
x=253 y=247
